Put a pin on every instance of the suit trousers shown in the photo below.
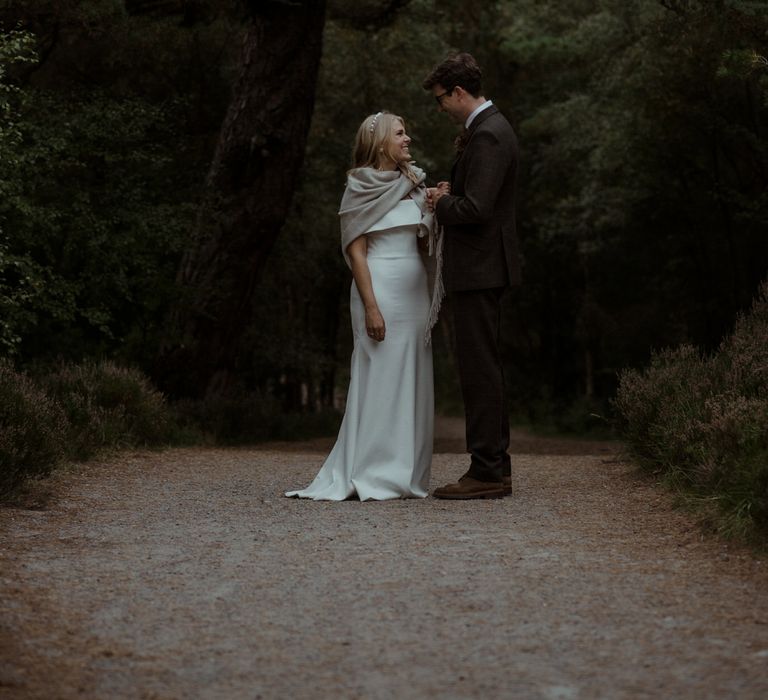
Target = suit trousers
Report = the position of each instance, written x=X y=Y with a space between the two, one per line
x=477 y=322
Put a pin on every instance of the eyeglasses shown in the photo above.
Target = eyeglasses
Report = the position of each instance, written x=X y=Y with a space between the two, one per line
x=441 y=96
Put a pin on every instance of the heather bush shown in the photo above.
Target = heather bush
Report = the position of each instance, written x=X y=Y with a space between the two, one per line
x=32 y=430
x=661 y=408
x=107 y=406
x=703 y=421
x=744 y=354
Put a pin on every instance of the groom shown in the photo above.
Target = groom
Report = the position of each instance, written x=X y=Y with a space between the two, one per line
x=480 y=263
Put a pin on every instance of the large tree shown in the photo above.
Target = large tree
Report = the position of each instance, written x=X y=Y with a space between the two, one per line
x=249 y=188
x=247 y=194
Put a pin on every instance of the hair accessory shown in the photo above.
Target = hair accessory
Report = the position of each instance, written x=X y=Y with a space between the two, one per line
x=373 y=123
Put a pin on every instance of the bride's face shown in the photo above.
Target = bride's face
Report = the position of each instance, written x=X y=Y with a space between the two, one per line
x=398 y=143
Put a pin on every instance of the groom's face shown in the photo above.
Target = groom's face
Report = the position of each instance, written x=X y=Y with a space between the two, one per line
x=449 y=102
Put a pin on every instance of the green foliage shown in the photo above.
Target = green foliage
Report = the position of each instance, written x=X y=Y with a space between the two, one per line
x=20 y=282
x=89 y=216
x=32 y=430
x=99 y=185
x=644 y=202
x=15 y=47
x=643 y=196
x=703 y=421
x=17 y=278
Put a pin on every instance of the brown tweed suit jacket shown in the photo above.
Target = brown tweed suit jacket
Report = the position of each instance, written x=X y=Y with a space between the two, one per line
x=478 y=217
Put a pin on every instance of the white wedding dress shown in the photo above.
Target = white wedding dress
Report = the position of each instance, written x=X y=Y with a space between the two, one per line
x=384 y=446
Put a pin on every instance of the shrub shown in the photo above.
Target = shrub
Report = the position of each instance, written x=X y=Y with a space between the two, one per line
x=703 y=421
x=32 y=430
x=107 y=406
x=661 y=408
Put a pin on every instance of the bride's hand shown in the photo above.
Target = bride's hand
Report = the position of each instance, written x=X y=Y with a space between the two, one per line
x=374 y=324
x=431 y=193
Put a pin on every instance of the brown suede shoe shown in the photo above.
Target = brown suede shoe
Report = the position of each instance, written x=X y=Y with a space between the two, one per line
x=467 y=488
x=506 y=480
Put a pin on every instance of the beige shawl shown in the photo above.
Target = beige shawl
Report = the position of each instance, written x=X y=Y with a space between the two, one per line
x=368 y=196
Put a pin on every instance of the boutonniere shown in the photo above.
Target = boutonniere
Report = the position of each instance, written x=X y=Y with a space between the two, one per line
x=461 y=140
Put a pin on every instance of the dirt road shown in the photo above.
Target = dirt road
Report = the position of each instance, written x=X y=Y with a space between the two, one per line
x=186 y=574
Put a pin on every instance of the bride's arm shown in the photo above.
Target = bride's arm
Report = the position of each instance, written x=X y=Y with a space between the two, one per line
x=358 y=256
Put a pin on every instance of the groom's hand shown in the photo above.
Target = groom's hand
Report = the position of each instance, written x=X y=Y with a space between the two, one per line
x=443 y=188
x=434 y=193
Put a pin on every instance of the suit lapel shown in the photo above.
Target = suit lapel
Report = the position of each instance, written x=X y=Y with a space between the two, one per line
x=479 y=119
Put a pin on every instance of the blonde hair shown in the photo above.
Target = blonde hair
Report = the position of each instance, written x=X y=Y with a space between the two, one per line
x=373 y=143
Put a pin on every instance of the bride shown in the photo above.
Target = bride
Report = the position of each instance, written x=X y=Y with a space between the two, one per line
x=384 y=446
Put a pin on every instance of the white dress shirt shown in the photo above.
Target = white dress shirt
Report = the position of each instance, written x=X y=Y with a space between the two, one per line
x=472 y=116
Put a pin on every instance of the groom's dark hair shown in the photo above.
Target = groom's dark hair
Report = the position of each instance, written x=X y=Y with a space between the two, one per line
x=456 y=69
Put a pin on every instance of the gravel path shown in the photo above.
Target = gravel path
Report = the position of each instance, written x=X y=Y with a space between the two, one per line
x=186 y=574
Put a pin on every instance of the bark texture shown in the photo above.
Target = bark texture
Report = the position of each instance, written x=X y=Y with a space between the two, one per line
x=247 y=195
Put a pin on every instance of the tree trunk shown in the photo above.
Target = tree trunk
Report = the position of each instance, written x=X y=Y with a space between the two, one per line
x=247 y=196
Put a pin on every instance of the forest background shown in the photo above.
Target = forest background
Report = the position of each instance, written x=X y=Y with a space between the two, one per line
x=643 y=208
